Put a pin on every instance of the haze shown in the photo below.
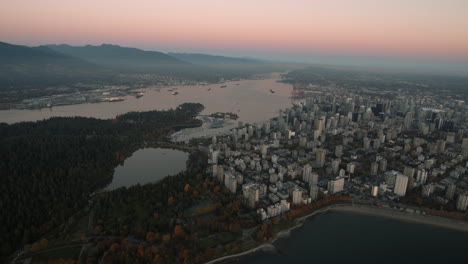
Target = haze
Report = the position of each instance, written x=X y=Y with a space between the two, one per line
x=297 y=30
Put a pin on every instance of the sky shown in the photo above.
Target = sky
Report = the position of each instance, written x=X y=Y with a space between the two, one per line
x=288 y=30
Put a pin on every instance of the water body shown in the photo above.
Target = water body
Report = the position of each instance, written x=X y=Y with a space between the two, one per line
x=148 y=165
x=251 y=100
x=339 y=237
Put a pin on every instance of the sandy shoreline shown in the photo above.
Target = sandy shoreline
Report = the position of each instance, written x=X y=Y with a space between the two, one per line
x=405 y=216
x=359 y=209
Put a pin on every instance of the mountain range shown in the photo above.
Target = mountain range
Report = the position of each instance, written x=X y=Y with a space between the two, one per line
x=23 y=67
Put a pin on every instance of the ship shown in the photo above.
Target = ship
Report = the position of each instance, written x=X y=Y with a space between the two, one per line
x=272 y=91
x=223 y=86
x=209 y=89
x=138 y=95
x=116 y=99
x=175 y=93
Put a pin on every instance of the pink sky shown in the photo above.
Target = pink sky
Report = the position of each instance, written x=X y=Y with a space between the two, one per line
x=427 y=28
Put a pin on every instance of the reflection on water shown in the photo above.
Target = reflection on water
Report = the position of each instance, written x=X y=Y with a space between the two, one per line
x=148 y=165
x=251 y=100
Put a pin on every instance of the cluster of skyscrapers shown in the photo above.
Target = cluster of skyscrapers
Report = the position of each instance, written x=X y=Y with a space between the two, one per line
x=365 y=146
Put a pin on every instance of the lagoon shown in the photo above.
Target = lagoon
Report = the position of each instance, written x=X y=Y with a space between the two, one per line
x=148 y=165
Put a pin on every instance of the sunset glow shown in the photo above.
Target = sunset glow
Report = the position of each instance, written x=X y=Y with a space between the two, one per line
x=431 y=28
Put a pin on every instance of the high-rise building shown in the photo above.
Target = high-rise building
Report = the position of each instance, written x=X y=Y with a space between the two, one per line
x=319 y=124
x=374 y=168
x=383 y=187
x=465 y=143
x=253 y=196
x=428 y=189
x=338 y=151
x=296 y=196
x=390 y=178
x=440 y=146
x=335 y=166
x=336 y=185
x=313 y=178
x=421 y=176
x=450 y=192
x=366 y=143
x=320 y=157
x=450 y=137
x=375 y=191
x=408 y=120
x=401 y=183
x=264 y=149
x=274 y=159
x=306 y=173
x=462 y=202
x=383 y=165
x=350 y=167
x=314 y=192
x=230 y=181
x=221 y=174
x=408 y=171
x=214 y=157
x=302 y=141
x=376 y=144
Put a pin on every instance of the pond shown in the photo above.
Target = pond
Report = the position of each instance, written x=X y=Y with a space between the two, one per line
x=148 y=165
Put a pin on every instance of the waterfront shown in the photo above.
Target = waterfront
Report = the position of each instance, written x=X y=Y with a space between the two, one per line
x=333 y=237
x=251 y=100
x=148 y=165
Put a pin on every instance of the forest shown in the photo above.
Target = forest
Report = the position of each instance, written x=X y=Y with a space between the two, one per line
x=50 y=168
x=185 y=218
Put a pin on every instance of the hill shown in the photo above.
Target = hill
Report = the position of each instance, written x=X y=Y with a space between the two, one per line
x=33 y=67
x=205 y=58
x=117 y=57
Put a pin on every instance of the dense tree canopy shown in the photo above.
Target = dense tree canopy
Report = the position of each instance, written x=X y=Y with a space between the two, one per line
x=49 y=168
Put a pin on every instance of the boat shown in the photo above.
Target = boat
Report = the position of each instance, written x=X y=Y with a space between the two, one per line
x=138 y=95
x=272 y=91
x=175 y=93
x=116 y=99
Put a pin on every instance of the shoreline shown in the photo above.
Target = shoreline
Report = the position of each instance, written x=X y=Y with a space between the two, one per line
x=404 y=216
x=358 y=209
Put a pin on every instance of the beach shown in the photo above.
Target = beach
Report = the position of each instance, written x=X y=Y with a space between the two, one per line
x=405 y=216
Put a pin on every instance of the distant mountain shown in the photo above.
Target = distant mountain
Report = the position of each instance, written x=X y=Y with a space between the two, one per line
x=37 y=66
x=118 y=57
x=230 y=66
x=30 y=70
x=16 y=54
x=205 y=58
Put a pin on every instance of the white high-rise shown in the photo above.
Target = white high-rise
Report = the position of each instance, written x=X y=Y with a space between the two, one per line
x=296 y=196
x=336 y=185
x=401 y=183
x=462 y=202
x=230 y=181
